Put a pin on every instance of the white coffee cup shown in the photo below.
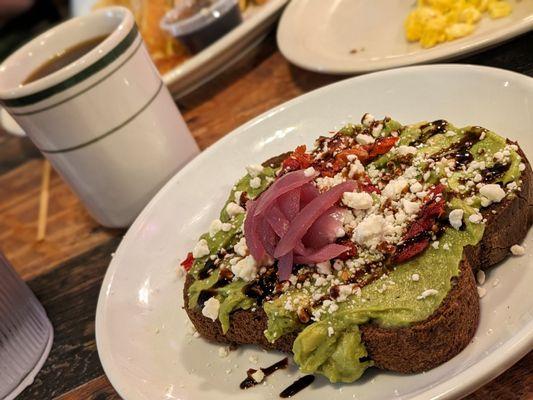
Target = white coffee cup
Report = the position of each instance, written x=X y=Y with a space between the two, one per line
x=106 y=122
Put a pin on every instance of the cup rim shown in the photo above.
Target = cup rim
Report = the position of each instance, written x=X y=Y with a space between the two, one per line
x=14 y=88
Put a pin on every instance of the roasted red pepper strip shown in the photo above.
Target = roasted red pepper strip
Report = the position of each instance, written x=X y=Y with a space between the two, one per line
x=188 y=262
x=381 y=146
x=410 y=251
x=298 y=159
x=358 y=151
x=417 y=237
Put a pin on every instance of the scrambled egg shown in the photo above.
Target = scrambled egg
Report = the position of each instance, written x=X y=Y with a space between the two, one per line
x=436 y=21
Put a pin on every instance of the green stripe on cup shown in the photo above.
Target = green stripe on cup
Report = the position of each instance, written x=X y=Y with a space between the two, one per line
x=73 y=96
x=111 y=131
x=92 y=69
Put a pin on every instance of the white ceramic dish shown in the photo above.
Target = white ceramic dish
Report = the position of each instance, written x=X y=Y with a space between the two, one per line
x=141 y=330
x=320 y=35
x=204 y=66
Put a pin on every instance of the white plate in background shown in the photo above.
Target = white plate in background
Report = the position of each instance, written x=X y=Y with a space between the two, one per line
x=141 y=329
x=319 y=35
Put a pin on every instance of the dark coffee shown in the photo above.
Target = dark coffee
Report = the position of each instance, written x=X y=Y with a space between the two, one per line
x=64 y=58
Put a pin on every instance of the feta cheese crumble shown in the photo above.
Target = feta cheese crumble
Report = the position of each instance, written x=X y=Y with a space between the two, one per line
x=215 y=227
x=356 y=168
x=395 y=187
x=494 y=193
x=309 y=172
x=364 y=139
x=254 y=170
x=456 y=218
x=410 y=207
x=480 y=277
x=405 y=150
x=427 y=293
x=211 y=307
x=324 y=267
x=234 y=209
x=223 y=352
x=200 y=249
x=367 y=119
x=370 y=231
x=518 y=250
x=255 y=183
x=357 y=200
x=258 y=376
x=241 y=248
x=246 y=269
x=475 y=218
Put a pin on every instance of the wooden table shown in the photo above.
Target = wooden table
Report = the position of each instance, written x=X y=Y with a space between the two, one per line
x=66 y=269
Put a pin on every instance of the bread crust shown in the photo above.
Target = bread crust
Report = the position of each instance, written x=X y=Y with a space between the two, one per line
x=427 y=344
x=422 y=345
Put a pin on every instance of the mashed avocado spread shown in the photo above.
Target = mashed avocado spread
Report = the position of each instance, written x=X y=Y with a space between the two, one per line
x=329 y=342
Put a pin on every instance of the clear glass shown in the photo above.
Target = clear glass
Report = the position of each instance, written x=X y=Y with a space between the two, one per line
x=26 y=334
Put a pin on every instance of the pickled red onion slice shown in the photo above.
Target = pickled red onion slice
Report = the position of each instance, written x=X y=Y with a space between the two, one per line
x=286 y=183
x=251 y=232
x=285 y=266
x=324 y=230
x=309 y=214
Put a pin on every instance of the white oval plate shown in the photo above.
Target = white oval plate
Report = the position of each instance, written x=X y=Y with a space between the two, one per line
x=319 y=35
x=142 y=331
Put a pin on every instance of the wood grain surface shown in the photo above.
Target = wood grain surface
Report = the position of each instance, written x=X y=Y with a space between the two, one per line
x=67 y=268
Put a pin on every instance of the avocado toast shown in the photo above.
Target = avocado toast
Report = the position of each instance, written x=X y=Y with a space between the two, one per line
x=362 y=252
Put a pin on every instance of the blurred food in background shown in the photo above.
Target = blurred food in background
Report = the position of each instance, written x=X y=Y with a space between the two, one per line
x=166 y=51
x=436 y=21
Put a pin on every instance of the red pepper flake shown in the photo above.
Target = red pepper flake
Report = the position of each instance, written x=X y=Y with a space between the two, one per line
x=188 y=262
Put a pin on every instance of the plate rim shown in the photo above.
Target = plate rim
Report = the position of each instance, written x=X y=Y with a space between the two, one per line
x=494 y=364
x=498 y=36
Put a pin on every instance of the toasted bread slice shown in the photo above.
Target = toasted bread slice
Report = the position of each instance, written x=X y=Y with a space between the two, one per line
x=422 y=345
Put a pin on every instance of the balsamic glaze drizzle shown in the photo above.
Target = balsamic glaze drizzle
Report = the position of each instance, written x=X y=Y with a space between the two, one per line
x=297 y=386
x=460 y=150
x=250 y=381
x=261 y=288
x=494 y=172
x=431 y=129
x=205 y=295
x=206 y=270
